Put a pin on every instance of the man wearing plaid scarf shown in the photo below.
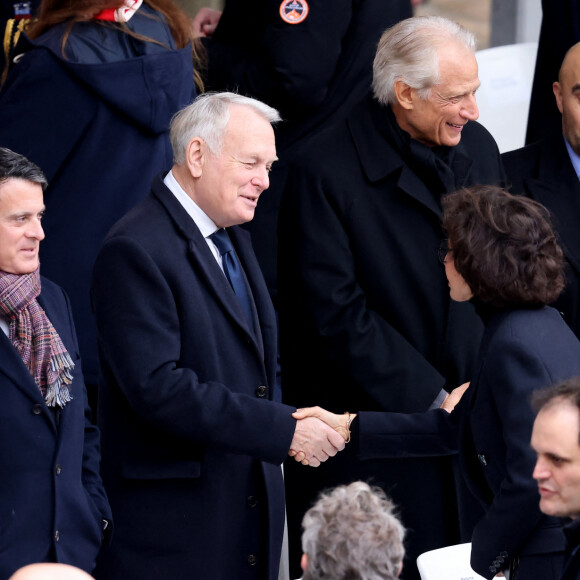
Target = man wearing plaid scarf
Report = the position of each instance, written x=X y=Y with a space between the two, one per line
x=53 y=507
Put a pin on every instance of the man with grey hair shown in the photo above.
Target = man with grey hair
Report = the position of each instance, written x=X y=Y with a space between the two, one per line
x=351 y=533
x=192 y=445
x=365 y=312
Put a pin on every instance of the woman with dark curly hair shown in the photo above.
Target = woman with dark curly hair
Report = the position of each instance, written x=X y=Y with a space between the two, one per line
x=502 y=254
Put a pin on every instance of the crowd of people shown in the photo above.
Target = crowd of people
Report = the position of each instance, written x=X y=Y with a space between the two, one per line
x=402 y=297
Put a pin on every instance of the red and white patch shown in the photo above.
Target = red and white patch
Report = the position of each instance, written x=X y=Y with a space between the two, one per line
x=294 y=11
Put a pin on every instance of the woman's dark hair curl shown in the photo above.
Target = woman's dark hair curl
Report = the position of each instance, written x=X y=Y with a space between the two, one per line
x=504 y=247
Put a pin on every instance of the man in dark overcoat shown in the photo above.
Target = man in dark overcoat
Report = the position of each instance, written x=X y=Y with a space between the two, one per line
x=192 y=445
x=549 y=172
x=366 y=320
x=53 y=506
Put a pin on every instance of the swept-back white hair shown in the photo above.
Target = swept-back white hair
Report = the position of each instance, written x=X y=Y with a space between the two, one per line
x=408 y=52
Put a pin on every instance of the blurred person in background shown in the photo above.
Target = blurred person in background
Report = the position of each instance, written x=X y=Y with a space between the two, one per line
x=352 y=533
x=88 y=98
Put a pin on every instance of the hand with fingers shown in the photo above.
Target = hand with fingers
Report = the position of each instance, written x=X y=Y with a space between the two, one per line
x=314 y=442
x=454 y=397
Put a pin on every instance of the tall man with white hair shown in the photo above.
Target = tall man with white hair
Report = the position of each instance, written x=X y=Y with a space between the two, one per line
x=192 y=445
x=365 y=313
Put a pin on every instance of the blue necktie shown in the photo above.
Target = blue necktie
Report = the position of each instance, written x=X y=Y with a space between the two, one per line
x=233 y=271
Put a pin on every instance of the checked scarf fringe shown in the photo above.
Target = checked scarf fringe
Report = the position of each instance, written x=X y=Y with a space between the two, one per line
x=35 y=338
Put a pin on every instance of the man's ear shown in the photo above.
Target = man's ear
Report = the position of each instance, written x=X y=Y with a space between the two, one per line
x=195 y=156
x=304 y=562
x=405 y=95
x=557 y=88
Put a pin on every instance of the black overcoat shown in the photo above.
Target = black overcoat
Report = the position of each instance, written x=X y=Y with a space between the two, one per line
x=366 y=321
x=192 y=446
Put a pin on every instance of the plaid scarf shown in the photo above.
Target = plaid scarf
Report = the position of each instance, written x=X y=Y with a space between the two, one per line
x=35 y=338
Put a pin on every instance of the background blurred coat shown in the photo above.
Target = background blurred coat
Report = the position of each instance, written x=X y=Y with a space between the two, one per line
x=560 y=31
x=100 y=133
x=544 y=172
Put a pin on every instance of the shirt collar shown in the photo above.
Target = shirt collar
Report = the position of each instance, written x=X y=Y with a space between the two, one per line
x=202 y=220
x=574 y=158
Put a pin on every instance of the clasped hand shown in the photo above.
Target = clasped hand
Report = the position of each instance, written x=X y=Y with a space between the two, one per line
x=319 y=435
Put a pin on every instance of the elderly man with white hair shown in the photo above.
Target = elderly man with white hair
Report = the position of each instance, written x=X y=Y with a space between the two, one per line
x=365 y=312
x=192 y=442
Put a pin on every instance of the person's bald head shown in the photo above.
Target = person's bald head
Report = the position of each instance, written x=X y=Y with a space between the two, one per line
x=567 y=93
x=50 y=572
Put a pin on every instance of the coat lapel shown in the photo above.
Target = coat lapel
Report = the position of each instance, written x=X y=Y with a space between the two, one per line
x=204 y=262
x=19 y=375
x=379 y=159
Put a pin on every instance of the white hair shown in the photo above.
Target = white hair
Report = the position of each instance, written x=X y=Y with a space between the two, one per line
x=351 y=533
x=408 y=52
x=207 y=117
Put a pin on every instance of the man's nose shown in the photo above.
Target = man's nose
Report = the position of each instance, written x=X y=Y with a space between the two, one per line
x=262 y=179
x=469 y=109
x=540 y=471
x=36 y=230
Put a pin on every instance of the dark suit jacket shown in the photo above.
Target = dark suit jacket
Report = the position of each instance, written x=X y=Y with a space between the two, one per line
x=521 y=351
x=191 y=445
x=366 y=321
x=52 y=500
x=544 y=172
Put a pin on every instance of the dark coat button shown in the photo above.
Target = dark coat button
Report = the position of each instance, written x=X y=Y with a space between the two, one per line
x=261 y=391
x=493 y=569
x=482 y=459
x=252 y=560
x=37 y=409
x=252 y=501
x=58 y=469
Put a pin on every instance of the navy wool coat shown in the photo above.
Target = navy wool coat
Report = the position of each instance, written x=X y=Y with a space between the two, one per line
x=522 y=350
x=192 y=446
x=52 y=500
